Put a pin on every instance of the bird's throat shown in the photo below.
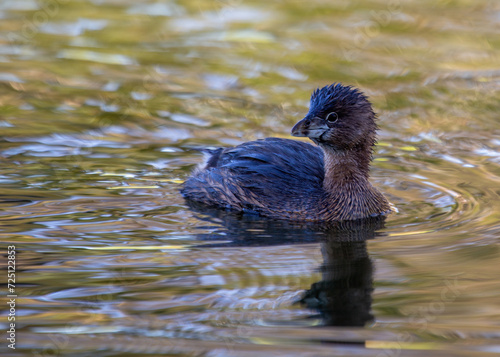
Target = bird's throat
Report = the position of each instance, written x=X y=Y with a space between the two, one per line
x=345 y=169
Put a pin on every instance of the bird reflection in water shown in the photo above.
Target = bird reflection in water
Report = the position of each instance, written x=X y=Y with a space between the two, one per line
x=343 y=297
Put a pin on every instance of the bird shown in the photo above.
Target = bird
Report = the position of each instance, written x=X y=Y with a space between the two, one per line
x=293 y=180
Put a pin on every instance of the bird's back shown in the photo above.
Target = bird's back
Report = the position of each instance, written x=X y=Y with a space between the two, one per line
x=279 y=178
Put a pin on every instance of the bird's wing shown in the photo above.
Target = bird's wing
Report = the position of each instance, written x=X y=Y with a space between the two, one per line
x=260 y=173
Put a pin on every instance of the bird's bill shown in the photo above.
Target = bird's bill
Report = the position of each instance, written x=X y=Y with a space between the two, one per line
x=310 y=127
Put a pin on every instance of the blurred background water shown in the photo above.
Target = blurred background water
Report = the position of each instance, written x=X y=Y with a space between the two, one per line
x=102 y=105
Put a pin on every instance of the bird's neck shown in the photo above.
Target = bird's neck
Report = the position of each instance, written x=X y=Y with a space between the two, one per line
x=346 y=169
x=348 y=192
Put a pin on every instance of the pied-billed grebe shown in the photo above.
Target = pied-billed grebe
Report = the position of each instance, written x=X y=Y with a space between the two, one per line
x=293 y=180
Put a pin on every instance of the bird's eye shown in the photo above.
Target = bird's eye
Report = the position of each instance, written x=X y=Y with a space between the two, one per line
x=332 y=117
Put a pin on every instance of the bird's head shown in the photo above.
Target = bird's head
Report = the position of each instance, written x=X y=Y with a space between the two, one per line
x=340 y=117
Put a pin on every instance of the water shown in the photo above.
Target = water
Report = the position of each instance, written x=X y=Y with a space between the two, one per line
x=102 y=106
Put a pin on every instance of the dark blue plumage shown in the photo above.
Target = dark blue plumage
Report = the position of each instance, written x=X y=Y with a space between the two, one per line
x=256 y=172
x=289 y=179
x=338 y=96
